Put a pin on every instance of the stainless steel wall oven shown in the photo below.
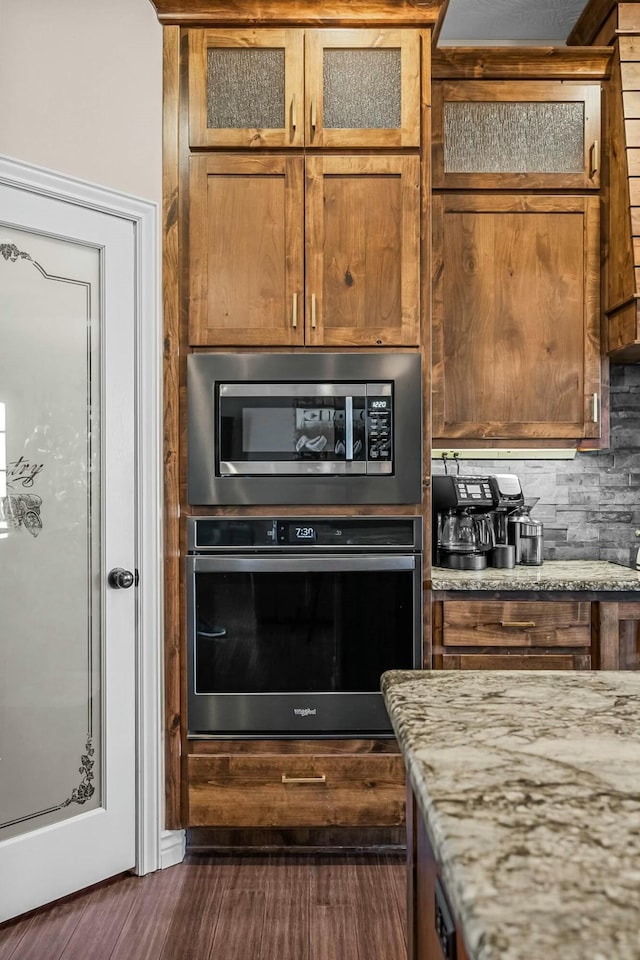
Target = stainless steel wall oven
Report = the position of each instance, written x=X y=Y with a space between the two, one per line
x=304 y=428
x=291 y=622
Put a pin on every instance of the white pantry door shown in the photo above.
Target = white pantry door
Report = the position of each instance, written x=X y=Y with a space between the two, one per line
x=67 y=518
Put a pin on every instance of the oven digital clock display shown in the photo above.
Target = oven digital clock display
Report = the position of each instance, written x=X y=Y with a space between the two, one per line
x=296 y=532
x=302 y=533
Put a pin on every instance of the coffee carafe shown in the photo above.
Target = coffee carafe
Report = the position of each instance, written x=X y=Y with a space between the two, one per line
x=464 y=539
x=526 y=534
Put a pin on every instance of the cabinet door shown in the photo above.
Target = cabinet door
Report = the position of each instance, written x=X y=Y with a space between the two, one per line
x=246 y=88
x=362 y=251
x=362 y=88
x=516 y=326
x=533 y=134
x=246 y=250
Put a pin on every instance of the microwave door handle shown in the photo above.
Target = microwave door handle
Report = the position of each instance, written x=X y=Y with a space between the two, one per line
x=348 y=428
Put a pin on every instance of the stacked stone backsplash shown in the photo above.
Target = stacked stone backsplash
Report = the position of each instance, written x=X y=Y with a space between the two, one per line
x=590 y=506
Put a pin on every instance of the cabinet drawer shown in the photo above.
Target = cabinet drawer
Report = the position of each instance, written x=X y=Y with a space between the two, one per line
x=296 y=791
x=515 y=623
x=518 y=661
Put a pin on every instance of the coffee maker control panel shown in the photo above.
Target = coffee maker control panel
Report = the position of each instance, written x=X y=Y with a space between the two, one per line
x=475 y=492
x=452 y=492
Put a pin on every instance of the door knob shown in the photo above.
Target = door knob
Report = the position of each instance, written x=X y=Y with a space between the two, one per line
x=120 y=579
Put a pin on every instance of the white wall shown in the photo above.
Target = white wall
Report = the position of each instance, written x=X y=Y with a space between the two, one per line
x=81 y=90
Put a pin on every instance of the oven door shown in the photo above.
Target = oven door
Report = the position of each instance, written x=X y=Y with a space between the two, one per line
x=291 y=428
x=294 y=646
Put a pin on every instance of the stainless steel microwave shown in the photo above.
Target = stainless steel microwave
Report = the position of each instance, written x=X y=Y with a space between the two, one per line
x=331 y=428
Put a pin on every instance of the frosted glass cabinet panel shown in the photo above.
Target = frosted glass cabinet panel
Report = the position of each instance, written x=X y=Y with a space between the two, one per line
x=293 y=88
x=516 y=134
x=513 y=137
x=245 y=88
x=361 y=88
x=50 y=596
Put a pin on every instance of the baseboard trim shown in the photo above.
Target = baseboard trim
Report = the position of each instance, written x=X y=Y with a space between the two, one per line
x=173 y=846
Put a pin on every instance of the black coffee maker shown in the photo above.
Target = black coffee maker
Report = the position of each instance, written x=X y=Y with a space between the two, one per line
x=462 y=526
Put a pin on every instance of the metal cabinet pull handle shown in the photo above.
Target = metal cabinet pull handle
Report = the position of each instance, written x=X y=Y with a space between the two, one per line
x=517 y=623
x=313 y=311
x=594 y=408
x=594 y=158
x=313 y=116
x=293 y=112
x=321 y=779
x=294 y=312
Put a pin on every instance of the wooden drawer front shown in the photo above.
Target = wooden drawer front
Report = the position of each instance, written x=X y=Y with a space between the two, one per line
x=491 y=661
x=518 y=623
x=296 y=791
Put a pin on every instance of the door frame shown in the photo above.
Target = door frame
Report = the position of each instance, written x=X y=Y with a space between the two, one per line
x=156 y=848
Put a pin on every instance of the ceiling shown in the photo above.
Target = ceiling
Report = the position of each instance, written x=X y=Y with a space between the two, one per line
x=483 y=22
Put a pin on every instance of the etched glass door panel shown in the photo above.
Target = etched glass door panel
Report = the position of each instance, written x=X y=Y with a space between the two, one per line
x=50 y=687
x=67 y=516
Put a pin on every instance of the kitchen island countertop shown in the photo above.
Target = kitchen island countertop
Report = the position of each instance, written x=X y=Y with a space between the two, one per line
x=591 y=575
x=529 y=785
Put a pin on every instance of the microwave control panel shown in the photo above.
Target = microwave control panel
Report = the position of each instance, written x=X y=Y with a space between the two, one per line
x=379 y=425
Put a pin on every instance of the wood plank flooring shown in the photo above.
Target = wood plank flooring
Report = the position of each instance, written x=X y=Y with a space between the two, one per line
x=229 y=906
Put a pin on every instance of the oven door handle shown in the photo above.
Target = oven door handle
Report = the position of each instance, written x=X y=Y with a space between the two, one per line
x=299 y=564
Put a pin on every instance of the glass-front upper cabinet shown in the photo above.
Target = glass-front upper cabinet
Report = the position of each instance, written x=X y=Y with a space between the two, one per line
x=362 y=88
x=533 y=134
x=294 y=88
x=246 y=88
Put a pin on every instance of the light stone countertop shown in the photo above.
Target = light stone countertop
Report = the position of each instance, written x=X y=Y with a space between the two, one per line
x=529 y=783
x=591 y=575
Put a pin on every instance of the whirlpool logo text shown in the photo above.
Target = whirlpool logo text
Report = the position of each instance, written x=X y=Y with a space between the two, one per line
x=305 y=711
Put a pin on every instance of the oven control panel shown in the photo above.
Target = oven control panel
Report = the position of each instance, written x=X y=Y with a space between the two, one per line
x=220 y=534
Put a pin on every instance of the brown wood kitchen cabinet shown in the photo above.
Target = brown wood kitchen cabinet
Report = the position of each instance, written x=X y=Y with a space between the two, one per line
x=516 y=134
x=293 y=88
x=516 y=249
x=251 y=220
x=516 y=323
x=432 y=931
x=296 y=174
x=295 y=784
x=512 y=635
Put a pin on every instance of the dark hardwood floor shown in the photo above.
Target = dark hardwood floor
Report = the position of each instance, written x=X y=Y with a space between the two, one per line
x=229 y=906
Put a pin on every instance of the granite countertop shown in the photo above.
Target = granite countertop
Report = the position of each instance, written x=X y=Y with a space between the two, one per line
x=529 y=783
x=551 y=575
